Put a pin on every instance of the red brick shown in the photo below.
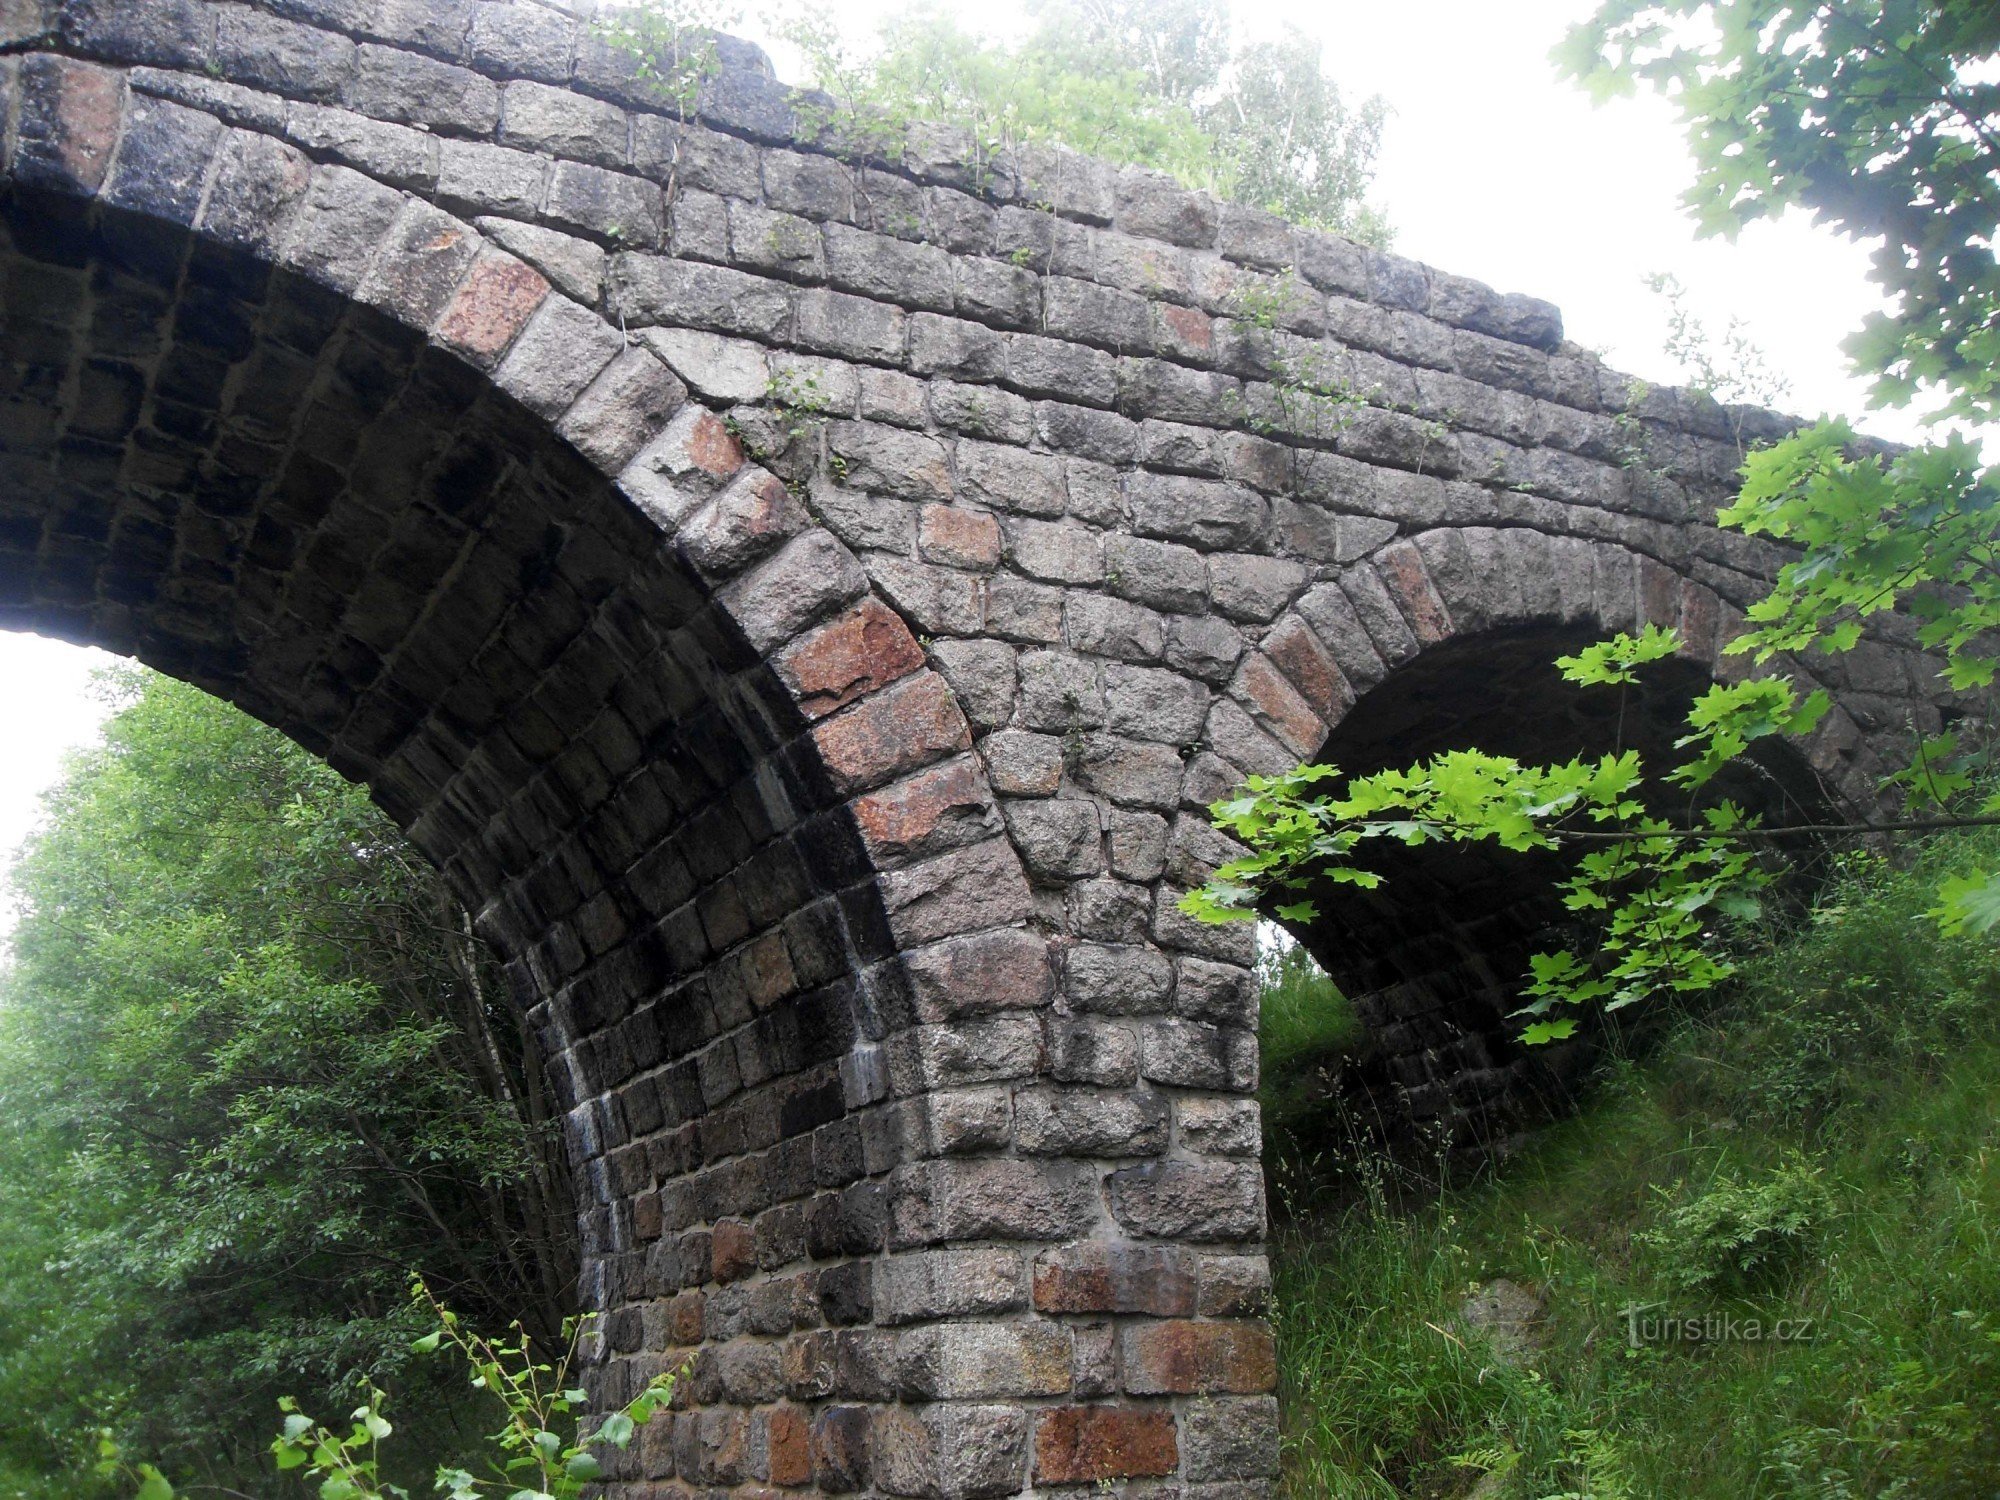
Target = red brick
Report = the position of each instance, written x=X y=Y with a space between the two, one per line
x=1409 y=581
x=1177 y=1359
x=866 y=648
x=734 y=1251
x=500 y=294
x=961 y=538
x=906 y=726
x=1082 y=1444
x=1103 y=1277
x=931 y=811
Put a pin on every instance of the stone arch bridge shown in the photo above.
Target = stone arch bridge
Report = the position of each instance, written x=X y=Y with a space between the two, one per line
x=805 y=607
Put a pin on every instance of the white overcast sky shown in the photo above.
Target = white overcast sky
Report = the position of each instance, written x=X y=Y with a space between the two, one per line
x=1491 y=169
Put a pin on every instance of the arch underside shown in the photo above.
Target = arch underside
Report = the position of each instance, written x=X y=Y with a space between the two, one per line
x=257 y=485
x=1436 y=958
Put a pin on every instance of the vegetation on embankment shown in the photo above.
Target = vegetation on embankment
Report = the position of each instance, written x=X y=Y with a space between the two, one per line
x=1820 y=1149
x=257 y=1072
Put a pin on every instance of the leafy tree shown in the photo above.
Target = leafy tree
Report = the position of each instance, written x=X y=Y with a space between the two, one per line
x=1879 y=117
x=260 y=1070
x=1152 y=82
x=1656 y=884
x=1882 y=118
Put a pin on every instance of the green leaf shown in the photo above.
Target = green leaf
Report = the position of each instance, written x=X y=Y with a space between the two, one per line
x=153 y=1485
x=1968 y=903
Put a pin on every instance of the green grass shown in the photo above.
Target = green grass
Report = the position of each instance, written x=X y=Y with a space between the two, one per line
x=1306 y=1029
x=1831 y=1125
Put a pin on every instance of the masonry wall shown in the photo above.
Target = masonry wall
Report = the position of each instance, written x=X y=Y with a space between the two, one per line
x=807 y=607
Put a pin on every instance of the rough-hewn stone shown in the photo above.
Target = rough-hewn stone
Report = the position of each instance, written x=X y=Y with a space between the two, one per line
x=805 y=610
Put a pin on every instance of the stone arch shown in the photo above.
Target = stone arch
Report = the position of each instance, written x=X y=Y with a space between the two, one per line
x=320 y=448
x=1445 y=640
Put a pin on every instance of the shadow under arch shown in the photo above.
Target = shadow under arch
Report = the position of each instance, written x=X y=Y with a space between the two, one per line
x=1435 y=958
x=261 y=486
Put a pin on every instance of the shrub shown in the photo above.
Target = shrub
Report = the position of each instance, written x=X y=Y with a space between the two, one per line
x=1741 y=1235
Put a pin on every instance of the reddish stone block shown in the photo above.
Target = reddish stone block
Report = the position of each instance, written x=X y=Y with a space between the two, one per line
x=1279 y=706
x=684 y=1318
x=935 y=810
x=753 y=517
x=1659 y=594
x=1005 y=969
x=1105 y=1277
x=1083 y=1444
x=839 y=1444
x=766 y=966
x=1189 y=329
x=721 y=1446
x=656 y=1447
x=788 y=1446
x=1179 y=1358
x=906 y=726
x=1310 y=668
x=646 y=1217
x=866 y=648
x=967 y=890
x=498 y=297
x=1701 y=621
x=733 y=1251
x=1402 y=570
x=807 y=1366
x=69 y=122
x=959 y=538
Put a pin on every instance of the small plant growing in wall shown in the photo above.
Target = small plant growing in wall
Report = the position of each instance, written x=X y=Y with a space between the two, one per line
x=673 y=44
x=800 y=403
x=1311 y=399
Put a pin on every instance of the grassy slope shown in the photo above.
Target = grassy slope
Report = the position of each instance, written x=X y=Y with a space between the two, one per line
x=1851 y=1080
